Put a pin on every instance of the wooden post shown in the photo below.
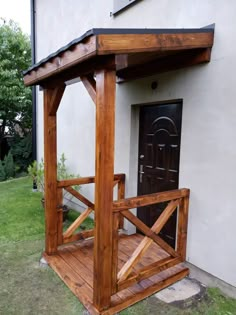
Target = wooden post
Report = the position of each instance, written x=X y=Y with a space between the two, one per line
x=59 y=216
x=104 y=170
x=50 y=174
x=183 y=227
x=115 y=240
x=121 y=195
x=52 y=98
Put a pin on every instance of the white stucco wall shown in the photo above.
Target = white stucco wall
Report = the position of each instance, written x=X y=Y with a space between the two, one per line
x=208 y=148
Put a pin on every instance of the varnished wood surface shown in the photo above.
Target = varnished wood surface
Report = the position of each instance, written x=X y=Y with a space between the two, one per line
x=85 y=180
x=136 y=43
x=74 y=264
x=146 y=242
x=96 y=47
x=79 y=196
x=50 y=175
x=144 y=200
x=90 y=85
x=104 y=178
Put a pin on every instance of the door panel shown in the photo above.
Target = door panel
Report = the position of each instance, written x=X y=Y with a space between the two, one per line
x=159 y=152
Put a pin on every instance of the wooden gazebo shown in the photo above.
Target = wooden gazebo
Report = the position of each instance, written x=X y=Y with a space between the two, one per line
x=107 y=270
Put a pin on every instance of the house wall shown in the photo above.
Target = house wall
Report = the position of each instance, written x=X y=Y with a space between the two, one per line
x=208 y=149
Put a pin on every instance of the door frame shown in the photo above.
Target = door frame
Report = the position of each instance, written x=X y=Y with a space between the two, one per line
x=132 y=184
x=157 y=103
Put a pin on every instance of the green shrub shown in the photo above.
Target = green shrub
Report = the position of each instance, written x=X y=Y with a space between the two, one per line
x=21 y=149
x=36 y=171
x=2 y=172
x=9 y=166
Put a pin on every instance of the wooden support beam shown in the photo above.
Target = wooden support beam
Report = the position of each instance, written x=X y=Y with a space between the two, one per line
x=105 y=122
x=90 y=85
x=183 y=228
x=150 y=199
x=146 y=242
x=58 y=64
x=79 y=196
x=121 y=195
x=115 y=239
x=84 y=180
x=149 y=271
x=56 y=96
x=50 y=175
x=164 y=64
x=78 y=236
x=77 y=223
x=59 y=216
x=135 y=43
x=148 y=232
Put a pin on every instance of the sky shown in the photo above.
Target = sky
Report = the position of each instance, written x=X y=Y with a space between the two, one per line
x=18 y=11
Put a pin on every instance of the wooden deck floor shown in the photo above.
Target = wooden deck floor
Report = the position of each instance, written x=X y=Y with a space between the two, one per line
x=74 y=265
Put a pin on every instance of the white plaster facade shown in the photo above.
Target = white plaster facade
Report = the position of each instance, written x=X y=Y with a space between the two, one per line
x=208 y=146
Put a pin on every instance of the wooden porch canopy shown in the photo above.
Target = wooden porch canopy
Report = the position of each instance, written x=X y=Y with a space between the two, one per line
x=135 y=53
x=99 y=58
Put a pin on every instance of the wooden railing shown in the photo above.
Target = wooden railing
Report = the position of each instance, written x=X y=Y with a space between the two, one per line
x=177 y=200
x=69 y=235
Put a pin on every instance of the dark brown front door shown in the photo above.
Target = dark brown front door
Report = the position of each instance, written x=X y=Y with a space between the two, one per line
x=159 y=151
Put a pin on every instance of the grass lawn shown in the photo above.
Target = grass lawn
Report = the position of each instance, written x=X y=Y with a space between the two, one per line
x=26 y=288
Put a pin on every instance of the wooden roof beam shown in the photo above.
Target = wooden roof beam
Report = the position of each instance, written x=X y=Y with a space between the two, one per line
x=136 y=43
x=164 y=64
x=78 y=56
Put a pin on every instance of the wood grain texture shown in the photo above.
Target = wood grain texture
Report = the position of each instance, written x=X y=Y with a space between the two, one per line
x=105 y=112
x=77 y=223
x=50 y=175
x=72 y=57
x=56 y=96
x=146 y=242
x=182 y=59
x=84 y=180
x=73 y=280
x=115 y=254
x=149 y=271
x=134 y=43
x=70 y=63
x=183 y=228
x=78 y=236
x=121 y=195
x=150 y=199
x=59 y=216
x=79 y=196
x=149 y=290
x=90 y=85
x=148 y=232
x=74 y=265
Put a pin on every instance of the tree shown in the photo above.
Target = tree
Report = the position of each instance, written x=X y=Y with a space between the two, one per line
x=21 y=149
x=15 y=98
x=9 y=166
x=2 y=172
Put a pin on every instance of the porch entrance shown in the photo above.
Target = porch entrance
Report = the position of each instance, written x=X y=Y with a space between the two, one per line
x=125 y=269
x=159 y=153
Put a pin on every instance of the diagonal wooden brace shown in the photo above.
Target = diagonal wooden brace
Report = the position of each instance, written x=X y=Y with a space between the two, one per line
x=147 y=241
x=148 y=232
x=78 y=195
x=55 y=99
x=90 y=85
x=77 y=223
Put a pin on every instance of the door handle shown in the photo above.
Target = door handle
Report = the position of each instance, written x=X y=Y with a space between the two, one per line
x=141 y=172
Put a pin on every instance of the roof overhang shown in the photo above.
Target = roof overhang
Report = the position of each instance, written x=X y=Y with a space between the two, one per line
x=138 y=53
